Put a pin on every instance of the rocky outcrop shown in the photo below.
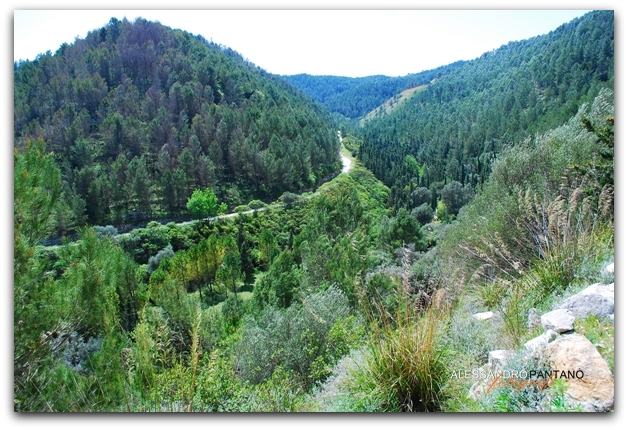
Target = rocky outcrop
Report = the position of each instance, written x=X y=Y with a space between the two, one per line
x=590 y=382
x=497 y=359
x=573 y=357
x=607 y=291
x=597 y=299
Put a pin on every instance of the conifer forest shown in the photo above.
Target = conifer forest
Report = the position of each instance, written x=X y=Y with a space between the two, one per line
x=195 y=234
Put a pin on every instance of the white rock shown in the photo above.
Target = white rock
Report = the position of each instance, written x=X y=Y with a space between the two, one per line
x=498 y=358
x=611 y=268
x=604 y=290
x=483 y=316
x=559 y=320
x=538 y=344
x=582 y=305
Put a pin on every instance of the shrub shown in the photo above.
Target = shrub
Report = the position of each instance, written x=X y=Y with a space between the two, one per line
x=257 y=204
x=297 y=339
x=233 y=309
x=424 y=213
x=404 y=369
x=153 y=262
x=289 y=198
x=107 y=231
x=241 y=208
x=420 y=196
x=455 y=196
x=401 y=230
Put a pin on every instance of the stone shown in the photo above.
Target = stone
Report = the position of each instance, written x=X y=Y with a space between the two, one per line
x=611 y=268
x=538 y=344
x=482 y=316
x=582 y=305
x=478 y=389
x=559 y=320
x=604 y=290
x=593 y=386
x=498 y=358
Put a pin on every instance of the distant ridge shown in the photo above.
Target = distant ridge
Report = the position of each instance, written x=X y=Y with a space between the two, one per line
x=356 y=97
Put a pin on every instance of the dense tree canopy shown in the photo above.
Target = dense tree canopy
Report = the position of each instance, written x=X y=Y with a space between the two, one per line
x=355 y=97
x=455 y=127
x=139 y=115
x=355 y=297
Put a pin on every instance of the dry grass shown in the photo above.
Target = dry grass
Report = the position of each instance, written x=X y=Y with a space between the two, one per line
x=391 y=104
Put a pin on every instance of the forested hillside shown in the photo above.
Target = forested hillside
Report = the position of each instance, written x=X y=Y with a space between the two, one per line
x=353 y=297
x=138 y=116
x=322 y=88
x=355 y=97
x=454 y=129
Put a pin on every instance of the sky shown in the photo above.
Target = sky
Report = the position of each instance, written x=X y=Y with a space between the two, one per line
x=318 y=42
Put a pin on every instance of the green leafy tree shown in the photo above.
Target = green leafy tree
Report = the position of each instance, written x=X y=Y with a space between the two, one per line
x=279 y=285
x=267 y=247
x=204 y=204
x=455 y=196
x=141 y=184
x=405 y=229
x=229 y=274
x=424 y=213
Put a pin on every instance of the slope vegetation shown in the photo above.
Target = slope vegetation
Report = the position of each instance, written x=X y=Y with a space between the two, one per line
x=355 y=97
x=391 y=104
x=454 y=128
x=139 y=115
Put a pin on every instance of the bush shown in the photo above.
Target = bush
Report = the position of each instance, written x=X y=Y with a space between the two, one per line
x=401 y=230
x=77 y=352
x=107 y=231
x=424 y=213
x=420 y=196
x=289 y=198
x=404 y=369
x=455 y=196
x=233 y=309
x=257 y=204
x=297 y=339
x=278 y=286
x=241 y=208
x=153 y=262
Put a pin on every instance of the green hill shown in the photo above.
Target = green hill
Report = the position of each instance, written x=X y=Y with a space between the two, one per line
x=139 y=115
x=455 y=127
x=355 y=97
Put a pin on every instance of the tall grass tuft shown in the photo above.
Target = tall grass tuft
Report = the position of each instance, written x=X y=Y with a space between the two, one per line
x=405 y=369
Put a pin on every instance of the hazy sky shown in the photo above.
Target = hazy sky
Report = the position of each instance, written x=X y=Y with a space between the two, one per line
x=318 y=42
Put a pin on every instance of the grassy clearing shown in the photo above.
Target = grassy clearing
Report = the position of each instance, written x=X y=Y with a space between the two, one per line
x=391 y=104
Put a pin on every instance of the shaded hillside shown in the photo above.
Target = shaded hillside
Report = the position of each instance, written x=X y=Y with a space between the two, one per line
x=322 y=88
x=453 y=129
x=355 y=97
x=139 y=115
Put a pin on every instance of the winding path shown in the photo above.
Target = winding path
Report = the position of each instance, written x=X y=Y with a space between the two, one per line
x=347 y=165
